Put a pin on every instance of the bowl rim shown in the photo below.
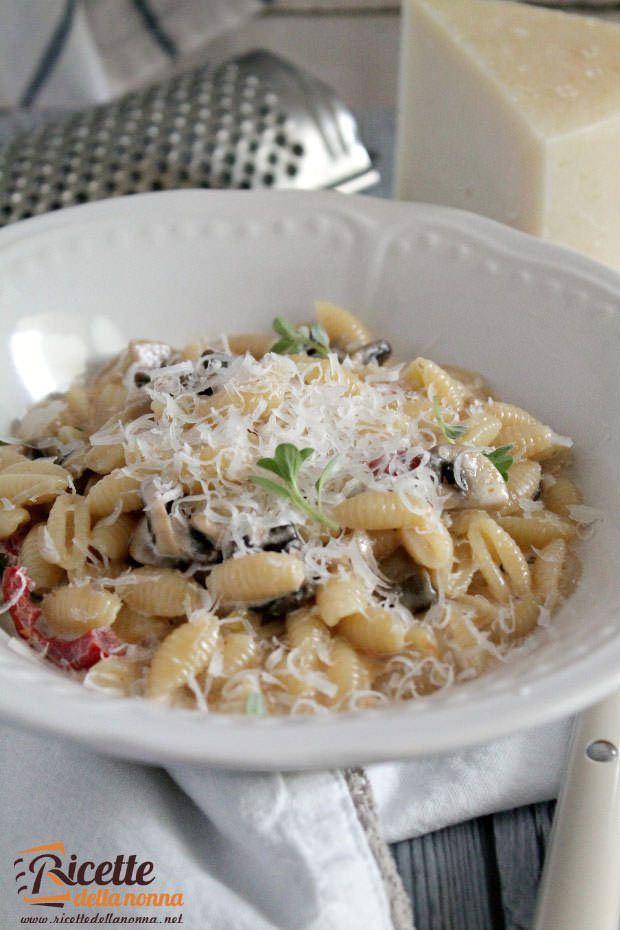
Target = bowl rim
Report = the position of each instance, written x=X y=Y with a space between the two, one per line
x=142 y=730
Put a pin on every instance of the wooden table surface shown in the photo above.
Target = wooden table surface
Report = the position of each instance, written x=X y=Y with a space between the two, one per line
x=478 y=875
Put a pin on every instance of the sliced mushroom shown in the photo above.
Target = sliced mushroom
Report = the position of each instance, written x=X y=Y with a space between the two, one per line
x=148 y=355
x=284 y=605
x=209 y=363
x=275 y=539
x=142 y=547
x=412 y=582
x=476 y=480
x=378 y=351
x=280 y=539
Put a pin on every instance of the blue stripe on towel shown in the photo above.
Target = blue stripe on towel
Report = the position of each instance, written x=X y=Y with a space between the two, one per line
x=152 y=23
x=50 y=56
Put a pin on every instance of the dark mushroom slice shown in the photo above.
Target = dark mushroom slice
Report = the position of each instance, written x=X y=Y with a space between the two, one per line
x=209 y=363
x=411 y=582
x=378 y=351
x=283 y=538
x=474 y=478
x=280 y=606
x=148 y=355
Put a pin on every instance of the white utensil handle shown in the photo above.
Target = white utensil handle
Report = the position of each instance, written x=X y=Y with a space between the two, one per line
x=580 y=887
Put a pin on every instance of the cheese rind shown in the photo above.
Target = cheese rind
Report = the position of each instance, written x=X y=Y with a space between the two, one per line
x=514 y=112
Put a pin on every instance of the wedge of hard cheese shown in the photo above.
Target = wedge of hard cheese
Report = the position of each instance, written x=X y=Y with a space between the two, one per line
x=513 y=111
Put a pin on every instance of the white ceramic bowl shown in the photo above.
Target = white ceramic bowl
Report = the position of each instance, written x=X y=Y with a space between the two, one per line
x=541 y=322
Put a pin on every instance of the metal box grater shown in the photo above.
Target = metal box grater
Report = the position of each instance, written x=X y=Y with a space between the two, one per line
x=257 y=121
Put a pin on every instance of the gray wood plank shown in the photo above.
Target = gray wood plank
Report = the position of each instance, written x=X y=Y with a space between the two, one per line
x=480 y=875
x=520 y=840
x=451 y=878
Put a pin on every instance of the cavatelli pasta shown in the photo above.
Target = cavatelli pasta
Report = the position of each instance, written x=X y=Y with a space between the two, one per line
x=116 y=675
x=105 y=458
x=523 y=485
x=428 y=543
x=343 y=327
x=162 y=592
x=498 y=559
x=183 y=654
x=136 y=629
x=111 y=540
x=11 y=518
x=560 y=494
x=423 y=374
x=347 y=670
x=381 y=510
x=341 y=596
x=377 y=631
x=68 y=531
x=536 y=530
x=75 y=609
x=116 y=490
x=255 y=578
x=525 y=433
x=43 y=573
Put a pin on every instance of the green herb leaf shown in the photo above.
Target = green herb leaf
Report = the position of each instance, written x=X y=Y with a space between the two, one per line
x=323 y=478
x=502 y=459
x=3 y=443
x=319 y=335
x=272 y=486
x=286 y=462
x=451 y=431
x=297 y=341
x=254 y=704
x=4 y=561
x=283 y=328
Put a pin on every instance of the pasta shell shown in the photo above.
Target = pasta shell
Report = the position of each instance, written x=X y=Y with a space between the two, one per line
x=341 y=596
x=78 y=608
x=11 y=519
x=161 y=592
x=239 y=651
x=380 y=510
x=44 y=575
x=536 y=530
x=429 y=544
x=112 y=490
x=528 y=436
x=255 y=578
x=112 y=539
x=104 y=459
x=499 y=559
x=183 y=654
x=68 y=529
x=377 y=631
x=560 y=495
x=116 y=675
x=423 y=374
x=132 y=627
x=347 y=669
x=343 y=328
x=257 y=344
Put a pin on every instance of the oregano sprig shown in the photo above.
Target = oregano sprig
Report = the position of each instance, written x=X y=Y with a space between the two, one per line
x=452 y=431
x=296 y=341
x=286 y=463
x=502 y=459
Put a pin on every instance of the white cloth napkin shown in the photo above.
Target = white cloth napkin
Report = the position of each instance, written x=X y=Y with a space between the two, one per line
x=257 y=851
x=65 y=53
